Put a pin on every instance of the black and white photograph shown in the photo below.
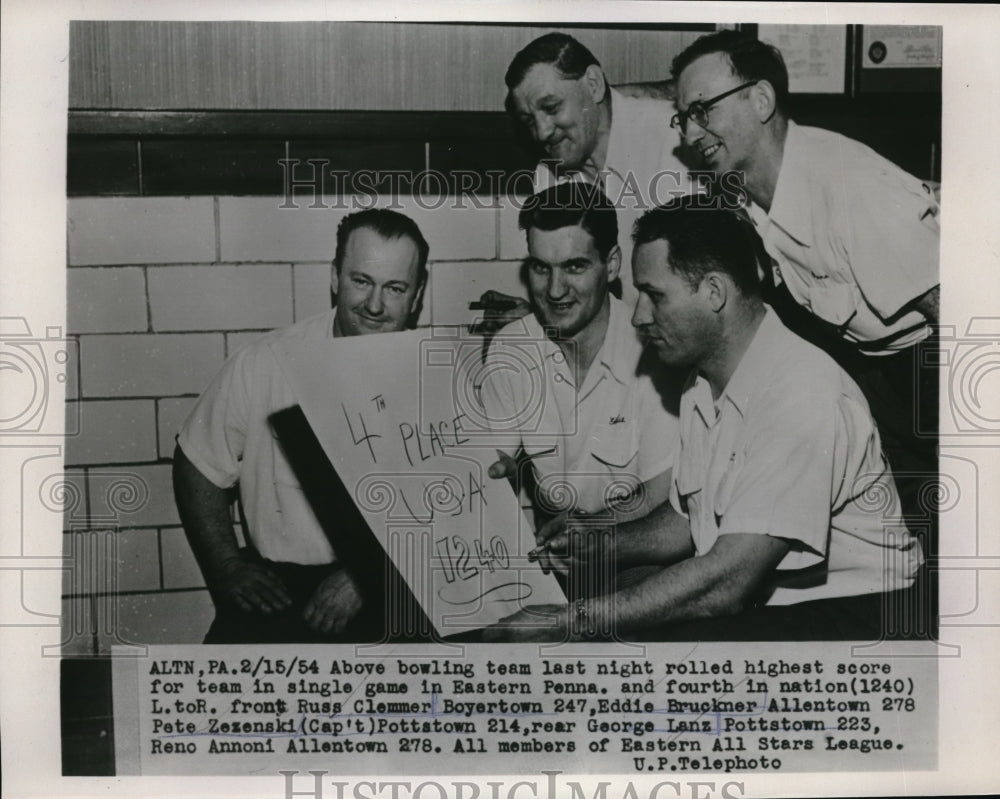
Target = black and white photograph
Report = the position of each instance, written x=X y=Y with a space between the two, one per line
x=577 y=399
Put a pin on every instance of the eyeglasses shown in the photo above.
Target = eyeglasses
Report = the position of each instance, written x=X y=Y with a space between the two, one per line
x=698 y=110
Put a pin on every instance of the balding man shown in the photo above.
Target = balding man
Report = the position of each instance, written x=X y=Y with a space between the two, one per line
x=286 y=585
x=853 y=238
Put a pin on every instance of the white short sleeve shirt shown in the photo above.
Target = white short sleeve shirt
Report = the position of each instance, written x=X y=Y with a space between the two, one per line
x=790 y=450
x=588 y=446
x=853 y=237
x=228 y=439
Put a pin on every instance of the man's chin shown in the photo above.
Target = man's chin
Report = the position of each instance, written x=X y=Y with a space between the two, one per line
x=364 y=326
x=563 y=166
x=562 y=327
x=665 y=354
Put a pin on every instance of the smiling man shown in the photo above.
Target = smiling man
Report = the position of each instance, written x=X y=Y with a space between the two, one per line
x=585 y=130
x=286 y=584
x=773 y=530
x=853 y=238
x=565 y=384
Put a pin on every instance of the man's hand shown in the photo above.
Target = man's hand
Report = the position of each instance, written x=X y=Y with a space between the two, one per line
x=572 y=539
x=505 y=466
x=333 y=604
x=552 y=540
x=251 y=586
x=498 y=309
x=539 y=623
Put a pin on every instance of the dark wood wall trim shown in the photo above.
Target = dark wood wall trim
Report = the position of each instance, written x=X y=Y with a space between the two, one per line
x=160 y=153
x=368 y=125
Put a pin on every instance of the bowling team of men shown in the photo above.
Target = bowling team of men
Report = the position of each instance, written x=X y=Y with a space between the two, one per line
x=755 y=451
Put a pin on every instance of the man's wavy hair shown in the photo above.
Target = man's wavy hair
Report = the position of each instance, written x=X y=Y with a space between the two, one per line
x=566 y=54
x=572 y=204
x=702 y=240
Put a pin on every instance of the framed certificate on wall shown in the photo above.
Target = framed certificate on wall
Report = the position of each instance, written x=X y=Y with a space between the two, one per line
x=816 y=56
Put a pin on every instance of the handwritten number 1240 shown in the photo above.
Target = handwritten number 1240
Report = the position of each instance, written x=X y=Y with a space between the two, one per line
x=458 y=563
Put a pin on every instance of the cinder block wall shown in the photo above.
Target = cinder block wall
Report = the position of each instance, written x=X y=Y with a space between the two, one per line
x=161 y=290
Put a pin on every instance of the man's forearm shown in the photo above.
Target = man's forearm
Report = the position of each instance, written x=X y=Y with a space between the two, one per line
x=204 y=509
x=661 y=537
x=718 y=583
x=652 y=494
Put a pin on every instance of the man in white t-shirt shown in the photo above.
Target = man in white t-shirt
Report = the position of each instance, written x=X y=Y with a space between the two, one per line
x=286 y=584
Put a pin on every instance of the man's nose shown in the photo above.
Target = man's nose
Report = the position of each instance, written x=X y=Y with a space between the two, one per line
x=373 y=302
x=692 y=132
x=641 y=316
x=544 y=127
x=557 y=284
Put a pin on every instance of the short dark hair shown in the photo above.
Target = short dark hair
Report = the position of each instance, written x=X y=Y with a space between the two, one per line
x=572 y=204
x=389 y=225
x=565 y=53
x=750 y=58
x=703 y=240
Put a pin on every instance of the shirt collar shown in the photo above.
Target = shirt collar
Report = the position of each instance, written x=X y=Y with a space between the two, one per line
x=617 y=354
x=699 y=393
x=789 y=208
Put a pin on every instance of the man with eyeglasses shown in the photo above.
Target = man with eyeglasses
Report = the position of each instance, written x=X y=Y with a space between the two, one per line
x=852 y=237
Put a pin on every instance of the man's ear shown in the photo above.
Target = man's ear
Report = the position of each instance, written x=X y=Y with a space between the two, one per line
x=596 y=83
x=717 y=287
x=334 y=285
x=765 y=101
x=614 y=262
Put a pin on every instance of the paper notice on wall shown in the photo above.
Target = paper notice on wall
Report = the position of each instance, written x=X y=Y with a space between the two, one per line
x=901 y=46
x=398 y=417
x=816 y=55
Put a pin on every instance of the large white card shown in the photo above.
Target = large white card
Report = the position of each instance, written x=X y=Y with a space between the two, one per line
x=396 y=415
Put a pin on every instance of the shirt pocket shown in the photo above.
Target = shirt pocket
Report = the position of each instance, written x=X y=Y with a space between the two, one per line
x=614 y=450
x=726 y=485
x=616 y=446
x=294 y=511
x=688 y=481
